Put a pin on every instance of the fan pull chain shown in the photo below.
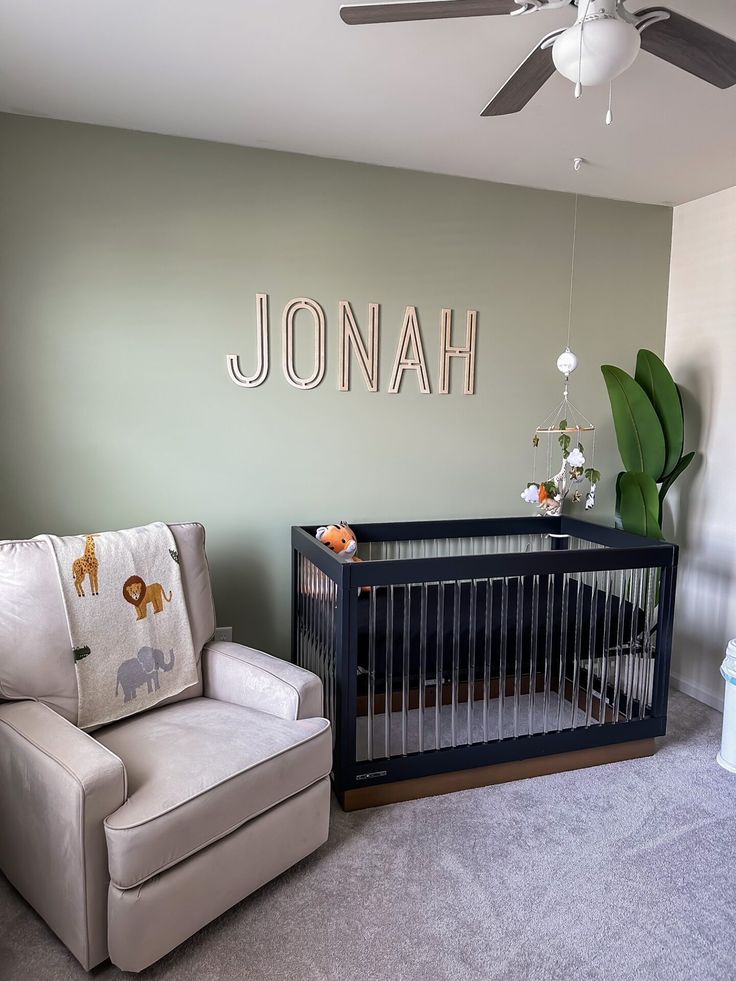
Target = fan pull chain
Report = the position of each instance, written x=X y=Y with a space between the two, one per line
x=609 y=114
x=579 y=83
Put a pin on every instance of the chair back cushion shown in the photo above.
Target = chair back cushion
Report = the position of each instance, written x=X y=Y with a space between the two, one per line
x=35 y=652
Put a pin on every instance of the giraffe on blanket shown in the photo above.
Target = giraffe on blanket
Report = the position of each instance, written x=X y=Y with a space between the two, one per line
x=86 y=565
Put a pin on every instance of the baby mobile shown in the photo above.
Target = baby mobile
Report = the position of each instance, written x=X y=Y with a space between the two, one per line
x=563 y=432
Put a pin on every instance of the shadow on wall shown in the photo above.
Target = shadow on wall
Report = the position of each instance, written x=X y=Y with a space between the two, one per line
x=244 y=596
x=696 y=388
x=707 y=573
x=704 y=615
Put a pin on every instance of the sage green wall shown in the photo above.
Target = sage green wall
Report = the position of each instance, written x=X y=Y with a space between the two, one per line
x=129 y=265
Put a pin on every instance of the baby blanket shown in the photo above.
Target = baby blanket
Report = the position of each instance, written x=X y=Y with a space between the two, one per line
x=127 y=616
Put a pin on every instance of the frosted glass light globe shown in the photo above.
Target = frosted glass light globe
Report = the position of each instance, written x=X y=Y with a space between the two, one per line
x=567 y=362
x=610 y=46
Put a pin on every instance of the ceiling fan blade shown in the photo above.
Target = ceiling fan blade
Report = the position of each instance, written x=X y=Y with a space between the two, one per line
x=526 y=81
x=690 y=46
x=385 y=13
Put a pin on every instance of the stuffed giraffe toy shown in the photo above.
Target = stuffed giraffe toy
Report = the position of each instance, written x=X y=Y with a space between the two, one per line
x=86 y=565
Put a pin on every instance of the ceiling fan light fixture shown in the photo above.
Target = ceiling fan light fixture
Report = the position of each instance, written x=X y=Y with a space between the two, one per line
x=609 y=47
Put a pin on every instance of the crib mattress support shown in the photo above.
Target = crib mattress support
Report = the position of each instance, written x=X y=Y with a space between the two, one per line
x=485 y=776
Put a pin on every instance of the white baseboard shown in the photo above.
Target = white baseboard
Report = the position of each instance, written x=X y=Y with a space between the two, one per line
x=715 y=700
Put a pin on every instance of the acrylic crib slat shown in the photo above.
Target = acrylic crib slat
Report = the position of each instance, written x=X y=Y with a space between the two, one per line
x=405 y=672
x=641 y=644
x=534 y=653
x=577 y=652
x=371 y=669
x=388 y=700
x=561 y=672
x=605 y=649
x=330 y=680
x=487 y=656
x=502 y=668
x=318 y=601
x=455 y=662
x=518 y=652
x=636 y=590
x=439 y=656
x=311 y=579
x=591 y=651
x=621 y=593
x=548 y=651
x=320 y=621
x=299 y=602
x=422 y=662
x=647 y=645
x=471 y=659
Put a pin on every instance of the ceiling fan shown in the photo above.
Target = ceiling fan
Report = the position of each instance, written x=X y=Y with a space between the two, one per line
x=603 y=42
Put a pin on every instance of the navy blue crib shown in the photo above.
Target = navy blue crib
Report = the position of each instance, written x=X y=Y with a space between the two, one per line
x=465 y=652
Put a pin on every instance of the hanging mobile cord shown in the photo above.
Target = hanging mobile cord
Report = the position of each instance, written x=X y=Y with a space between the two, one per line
x=572 y=271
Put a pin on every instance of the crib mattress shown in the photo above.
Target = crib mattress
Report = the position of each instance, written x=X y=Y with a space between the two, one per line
x=502 y=621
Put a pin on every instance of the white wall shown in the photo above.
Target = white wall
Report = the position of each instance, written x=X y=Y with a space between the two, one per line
x=701 y=354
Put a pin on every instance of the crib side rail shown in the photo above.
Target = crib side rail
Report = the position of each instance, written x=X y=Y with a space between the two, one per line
x=389 y=572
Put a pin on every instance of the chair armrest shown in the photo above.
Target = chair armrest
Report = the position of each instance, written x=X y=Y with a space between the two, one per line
x=233 y=673
x=57 y=785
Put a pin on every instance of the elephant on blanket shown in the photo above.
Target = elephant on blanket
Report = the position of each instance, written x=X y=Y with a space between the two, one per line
x=142 y=669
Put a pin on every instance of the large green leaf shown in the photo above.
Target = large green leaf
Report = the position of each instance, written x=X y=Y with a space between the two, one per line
x=659 y=385
x=638 y=429
x=682 y=465
x=638 y=503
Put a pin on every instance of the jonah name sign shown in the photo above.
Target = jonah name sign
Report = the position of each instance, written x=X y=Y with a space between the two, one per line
x=352 y=342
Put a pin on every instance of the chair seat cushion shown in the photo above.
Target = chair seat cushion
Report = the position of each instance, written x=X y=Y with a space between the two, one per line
x=197 y=770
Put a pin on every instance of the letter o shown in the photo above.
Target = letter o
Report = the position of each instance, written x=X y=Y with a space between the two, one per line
x=287 y=342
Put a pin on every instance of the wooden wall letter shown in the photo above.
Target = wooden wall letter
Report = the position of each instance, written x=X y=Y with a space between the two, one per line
x=410 y=335
x=287 y=342
x=467 y=352
x=262 y=359
x=349 y=336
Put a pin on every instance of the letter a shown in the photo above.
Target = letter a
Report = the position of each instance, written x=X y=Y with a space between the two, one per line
x=410 y=336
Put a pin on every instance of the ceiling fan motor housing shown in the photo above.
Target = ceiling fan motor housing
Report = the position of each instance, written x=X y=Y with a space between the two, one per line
x=609 y=45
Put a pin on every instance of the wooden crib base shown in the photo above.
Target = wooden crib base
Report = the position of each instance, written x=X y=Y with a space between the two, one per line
x=484 y=776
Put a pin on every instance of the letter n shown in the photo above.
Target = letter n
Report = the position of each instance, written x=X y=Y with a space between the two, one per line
x=349 y=336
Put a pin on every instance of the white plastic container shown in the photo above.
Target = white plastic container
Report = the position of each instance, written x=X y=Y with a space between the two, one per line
x=727 y=755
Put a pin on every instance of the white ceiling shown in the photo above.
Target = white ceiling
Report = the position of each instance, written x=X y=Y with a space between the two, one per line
x=288 y=74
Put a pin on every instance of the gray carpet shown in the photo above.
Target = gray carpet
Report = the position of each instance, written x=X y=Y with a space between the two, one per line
x=617 y=873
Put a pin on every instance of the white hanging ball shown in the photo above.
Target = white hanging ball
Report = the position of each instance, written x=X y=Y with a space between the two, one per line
x=567 y=362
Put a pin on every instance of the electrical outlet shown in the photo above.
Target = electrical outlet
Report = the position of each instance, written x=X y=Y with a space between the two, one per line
x=223 y=633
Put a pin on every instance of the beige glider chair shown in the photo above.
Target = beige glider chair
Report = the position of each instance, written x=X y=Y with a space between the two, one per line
x=128 y=839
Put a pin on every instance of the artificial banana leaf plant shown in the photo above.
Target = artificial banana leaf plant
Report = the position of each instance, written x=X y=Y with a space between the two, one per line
x=650 y=431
